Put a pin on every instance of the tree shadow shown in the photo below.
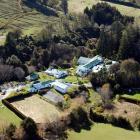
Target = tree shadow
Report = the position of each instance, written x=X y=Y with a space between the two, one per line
x=40 y=8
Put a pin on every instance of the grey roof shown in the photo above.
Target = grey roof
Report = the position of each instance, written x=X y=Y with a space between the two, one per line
x=83 y=60
x=53 y=97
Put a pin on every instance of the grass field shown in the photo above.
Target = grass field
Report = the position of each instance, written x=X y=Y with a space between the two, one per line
x=38 y=109
x=78 y=6
x=12 y=17
x=7 y=117
x=133 y=96
x=104 y=132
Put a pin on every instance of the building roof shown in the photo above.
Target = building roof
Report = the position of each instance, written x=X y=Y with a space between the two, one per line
x=42 y=85
x=83 y=60
x=94 y=61
x=56 y=73
x=53 y=97
x=33 y=76
x=61 y=85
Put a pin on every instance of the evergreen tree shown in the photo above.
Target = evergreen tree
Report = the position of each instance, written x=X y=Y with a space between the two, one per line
x=64 y=6
x=103 y=44
x=124 y=43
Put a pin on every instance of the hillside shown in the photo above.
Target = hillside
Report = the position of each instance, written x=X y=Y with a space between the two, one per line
x=79 y=5
x=25 y=16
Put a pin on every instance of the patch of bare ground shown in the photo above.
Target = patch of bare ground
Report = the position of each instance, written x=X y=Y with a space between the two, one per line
x=126 y=110
x=75 y=103
x=37 y=109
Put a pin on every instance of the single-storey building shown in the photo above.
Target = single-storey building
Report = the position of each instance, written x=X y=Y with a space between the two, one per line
x=53 y=97
x=41 y=85
x=83 y=70
x=83 y=60
x=61 y=87
x=32 y=77
x=56 y=73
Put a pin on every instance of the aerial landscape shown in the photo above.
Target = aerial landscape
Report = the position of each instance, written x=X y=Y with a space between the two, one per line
x=69 y=69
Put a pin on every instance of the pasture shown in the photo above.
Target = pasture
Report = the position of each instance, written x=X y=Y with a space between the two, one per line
x=36 y=108
x=29 y=22
x=135 y=96
x=104 y=132
x=7 y=117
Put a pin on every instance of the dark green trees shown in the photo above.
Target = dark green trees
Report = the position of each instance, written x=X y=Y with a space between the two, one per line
x=103 y=13
x=30 y=129
x=64 y=6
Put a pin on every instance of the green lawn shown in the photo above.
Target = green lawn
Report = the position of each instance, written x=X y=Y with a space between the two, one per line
x=104 y=132
x=75 y=79
x=7 y=117
x=43 y=76
x=132 y=96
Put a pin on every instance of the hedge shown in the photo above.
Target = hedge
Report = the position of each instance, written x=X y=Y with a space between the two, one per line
x=125 y=3
x=119 y=122
x=12 y=108
x=128 y=99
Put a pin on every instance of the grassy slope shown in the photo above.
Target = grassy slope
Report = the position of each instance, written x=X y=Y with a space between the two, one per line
x=7 y=117
x=79 y=5
x=30 y=22
x=104 y=132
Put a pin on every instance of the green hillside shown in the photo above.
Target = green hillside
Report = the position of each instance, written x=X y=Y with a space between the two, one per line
x=24 y=17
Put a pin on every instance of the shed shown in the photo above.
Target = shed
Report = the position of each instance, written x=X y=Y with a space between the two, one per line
x=32 y=77
x=53 y=97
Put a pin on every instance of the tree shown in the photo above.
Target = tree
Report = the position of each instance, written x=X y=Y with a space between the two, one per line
x=106 y=93
x=10 y=130
x=64 y=6
x=6 y=73
x=129 y=46
x=103 y=13
x=19 y=73
x=29 y=127
x=13 y=60
x=129 y=73
x=79 y=119
x=103 y=45
x=124 y=44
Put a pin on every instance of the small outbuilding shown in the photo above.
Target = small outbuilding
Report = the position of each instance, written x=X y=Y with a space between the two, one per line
x=53 y=97
x=32 y=77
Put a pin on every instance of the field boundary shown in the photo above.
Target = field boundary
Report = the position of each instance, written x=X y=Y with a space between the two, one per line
x=129 y=4
x=129 y=99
